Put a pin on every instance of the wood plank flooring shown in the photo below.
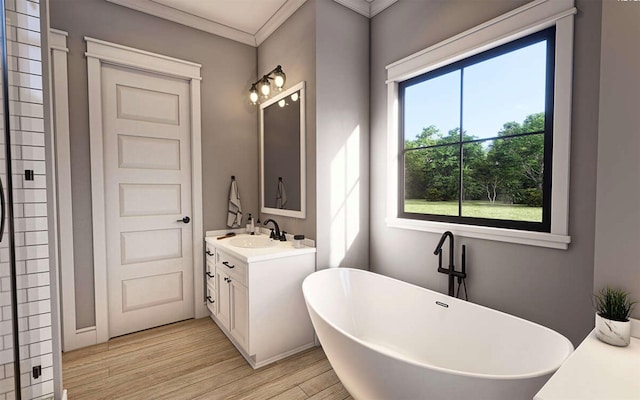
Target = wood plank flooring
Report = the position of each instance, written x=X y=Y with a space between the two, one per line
x=192 y=360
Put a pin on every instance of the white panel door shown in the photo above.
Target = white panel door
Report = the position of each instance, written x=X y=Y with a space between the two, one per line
x=147 y=164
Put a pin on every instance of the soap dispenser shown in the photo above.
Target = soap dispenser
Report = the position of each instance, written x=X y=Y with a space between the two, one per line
x=249 y=228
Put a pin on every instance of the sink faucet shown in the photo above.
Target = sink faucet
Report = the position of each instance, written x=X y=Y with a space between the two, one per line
x=451 y=270
x=276 y=234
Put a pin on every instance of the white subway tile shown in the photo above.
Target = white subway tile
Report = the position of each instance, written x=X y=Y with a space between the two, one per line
x=34 y=308
x=38 y=390
x=35 y=335
x=13 y=63
x=36 y=266
x=29 y=95
x=30 y=196
x=24 y=352
x=30 y=224
x=32 y=280
x=40 y=348
x=35 y=210
x=6 y=327
x=18 y=210
x=29 y=138
x=6 y=356
x=32 y=124
x=29 y=66
x=10 y=5
x=39 y=321
x=45 y=360
x=39 y=293
x=33 y=153
x=27 y=109
x=23 y=21
x=8 y=384
x=21 y=268
x=38 y=182
x=27 y=7
x=33 y=238
x=38 y=167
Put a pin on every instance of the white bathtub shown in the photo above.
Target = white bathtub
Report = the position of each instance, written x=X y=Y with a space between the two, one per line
x=389 y=340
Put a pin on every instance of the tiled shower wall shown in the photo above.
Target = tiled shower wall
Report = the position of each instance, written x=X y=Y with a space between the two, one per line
x=30 y=210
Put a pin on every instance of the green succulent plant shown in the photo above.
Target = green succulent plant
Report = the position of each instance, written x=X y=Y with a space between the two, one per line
x=613 y=304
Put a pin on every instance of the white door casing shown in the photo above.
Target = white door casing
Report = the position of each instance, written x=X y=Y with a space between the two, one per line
x=136 y=248
x=147 y=193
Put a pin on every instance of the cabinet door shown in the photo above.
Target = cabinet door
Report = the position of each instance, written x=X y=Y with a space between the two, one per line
x=222 y=293
x=239 y=322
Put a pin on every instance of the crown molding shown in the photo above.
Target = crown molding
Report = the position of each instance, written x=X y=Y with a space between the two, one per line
x=277 y=19
x=203 y=24
x=377 y=6
x=368 y=8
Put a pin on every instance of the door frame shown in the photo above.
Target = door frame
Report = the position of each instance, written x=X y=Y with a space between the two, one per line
x=98 y=53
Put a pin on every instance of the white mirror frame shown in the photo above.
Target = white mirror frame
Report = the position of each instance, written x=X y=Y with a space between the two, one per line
x=303 y=159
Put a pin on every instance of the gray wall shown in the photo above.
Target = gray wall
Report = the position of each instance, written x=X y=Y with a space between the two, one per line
x=327 y=45
x=292 y=45
x=228 y=120
x=342 y=62
x=551 y=287
x=618 y=194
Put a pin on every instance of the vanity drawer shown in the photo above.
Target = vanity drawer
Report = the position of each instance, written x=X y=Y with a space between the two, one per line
x=211 y=297
x=232 y=266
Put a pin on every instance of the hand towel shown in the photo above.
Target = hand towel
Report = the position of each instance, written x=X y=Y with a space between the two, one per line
x=234 y=215
x=281 y=195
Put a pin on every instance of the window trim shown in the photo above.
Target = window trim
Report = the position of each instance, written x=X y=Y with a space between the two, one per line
x=523 y=21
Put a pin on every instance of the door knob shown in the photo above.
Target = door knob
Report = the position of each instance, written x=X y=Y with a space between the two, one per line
x=185 y=220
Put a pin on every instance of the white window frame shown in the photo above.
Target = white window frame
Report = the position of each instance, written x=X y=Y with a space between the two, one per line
x=523 y=21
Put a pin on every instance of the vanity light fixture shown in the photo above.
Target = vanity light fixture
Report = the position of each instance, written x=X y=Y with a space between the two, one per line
x=276 y=75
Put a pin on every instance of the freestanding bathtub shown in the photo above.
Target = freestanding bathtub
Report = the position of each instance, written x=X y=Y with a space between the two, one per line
x=387 y=339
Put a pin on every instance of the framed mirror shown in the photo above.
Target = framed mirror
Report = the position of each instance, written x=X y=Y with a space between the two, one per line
x=282 y=154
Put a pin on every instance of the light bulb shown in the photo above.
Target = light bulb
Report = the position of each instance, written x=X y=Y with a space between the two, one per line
x=279 y=81
x=279 y=77
x=253 y=96
x=294 y=96
x=264 y=88
x=282 y=103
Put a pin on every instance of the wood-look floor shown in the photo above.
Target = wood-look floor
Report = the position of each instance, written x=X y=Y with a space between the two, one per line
x=192 y=360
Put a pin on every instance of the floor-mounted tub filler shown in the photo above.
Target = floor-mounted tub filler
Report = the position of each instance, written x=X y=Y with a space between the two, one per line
x=387 y=339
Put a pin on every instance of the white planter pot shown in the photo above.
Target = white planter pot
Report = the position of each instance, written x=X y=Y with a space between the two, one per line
x=613 y=332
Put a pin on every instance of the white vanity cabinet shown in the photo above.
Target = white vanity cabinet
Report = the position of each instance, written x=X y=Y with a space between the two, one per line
x=256 y=298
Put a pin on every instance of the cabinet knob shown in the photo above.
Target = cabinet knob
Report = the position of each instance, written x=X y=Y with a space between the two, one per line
x=210 y=300
x=226 y=263
x=210 y=275
x=229 y=280
x=209 y=253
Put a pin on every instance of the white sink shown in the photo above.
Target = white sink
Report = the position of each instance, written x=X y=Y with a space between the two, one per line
x=252 y=242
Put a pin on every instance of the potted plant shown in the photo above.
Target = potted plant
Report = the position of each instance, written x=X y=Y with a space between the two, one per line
x=613 y=308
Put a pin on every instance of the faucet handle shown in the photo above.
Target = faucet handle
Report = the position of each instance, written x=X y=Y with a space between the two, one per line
x=283 y=236
x=272 y=235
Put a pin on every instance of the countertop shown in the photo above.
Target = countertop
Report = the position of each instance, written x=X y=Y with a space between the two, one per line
x=597 y=371
x=249 y=255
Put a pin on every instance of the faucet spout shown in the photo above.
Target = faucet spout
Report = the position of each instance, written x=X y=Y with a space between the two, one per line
x=276 y=228
x=451 y=269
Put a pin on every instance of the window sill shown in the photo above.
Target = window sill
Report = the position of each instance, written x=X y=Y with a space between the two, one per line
x=539 y=239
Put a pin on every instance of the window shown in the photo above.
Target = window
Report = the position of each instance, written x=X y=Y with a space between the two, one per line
x=493 y=124
x=476 y=138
